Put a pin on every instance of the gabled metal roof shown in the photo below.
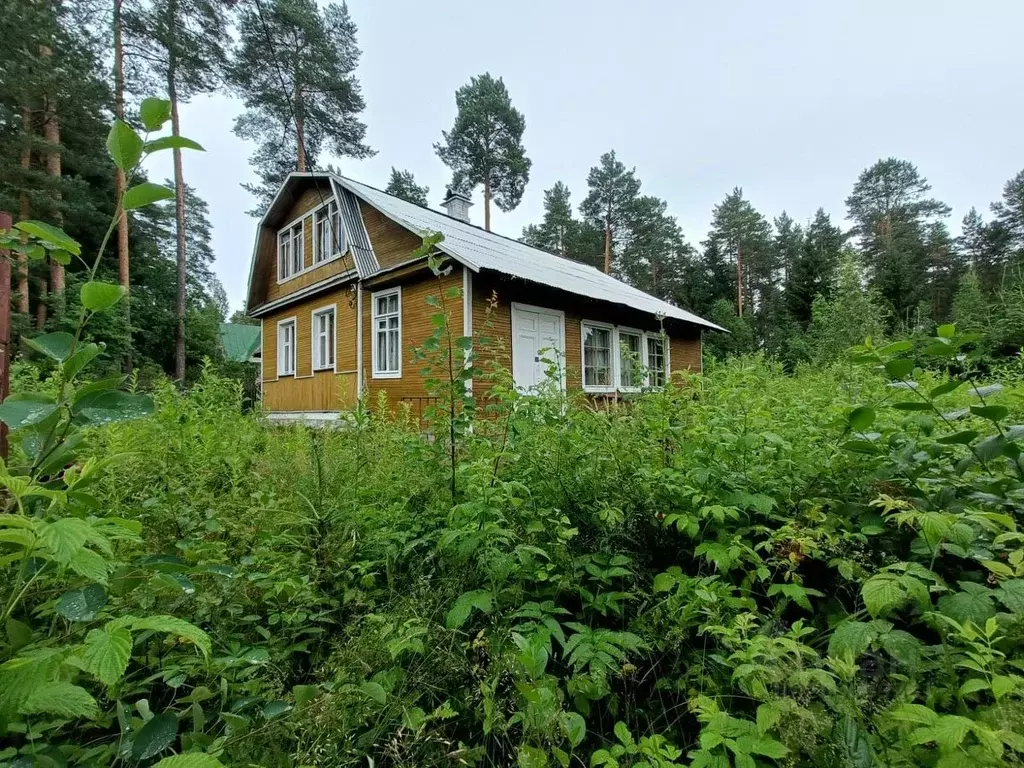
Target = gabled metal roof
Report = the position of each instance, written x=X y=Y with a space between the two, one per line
x=479 y=249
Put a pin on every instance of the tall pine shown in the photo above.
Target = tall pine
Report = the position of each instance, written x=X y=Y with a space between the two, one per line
x=613 y=191
x=485 y=144
x=403 y=184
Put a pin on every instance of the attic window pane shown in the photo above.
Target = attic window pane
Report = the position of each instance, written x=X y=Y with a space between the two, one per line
x=328 y=236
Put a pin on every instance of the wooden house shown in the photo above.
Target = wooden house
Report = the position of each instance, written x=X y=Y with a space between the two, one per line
x=342 y=302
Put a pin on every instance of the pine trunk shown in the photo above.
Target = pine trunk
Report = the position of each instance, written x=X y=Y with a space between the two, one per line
x=179 y=215
x=24 y=210
x=51 y=132
x=120 y=183
x=487 y=204
x=41 y=304
x=608 y=241
x=739 y=281
x=300 y=128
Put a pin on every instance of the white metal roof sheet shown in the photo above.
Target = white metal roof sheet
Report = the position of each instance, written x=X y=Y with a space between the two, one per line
x=480 y=249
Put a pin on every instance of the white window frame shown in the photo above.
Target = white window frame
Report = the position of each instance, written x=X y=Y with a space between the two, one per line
x=665 y=345
x=314 y=336
x=299 y=251
x=323 y=214
x=281 y=368
x=374 y=318
x=612 y=352
x=621 y=331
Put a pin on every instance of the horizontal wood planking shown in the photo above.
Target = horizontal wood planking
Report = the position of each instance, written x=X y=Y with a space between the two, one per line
x=417 y=326
x=684 y=338
x=312 y=390
x=392 y=244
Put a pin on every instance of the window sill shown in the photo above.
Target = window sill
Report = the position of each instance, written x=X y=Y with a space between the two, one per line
x=285 y=373
x=322 y=368
x=599 y=390
x=387 y=374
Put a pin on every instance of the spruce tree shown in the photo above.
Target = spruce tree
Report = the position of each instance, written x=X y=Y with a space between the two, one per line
x=985 y=247
x=403 y=184
x=485 y=144
x=971 y=308
x=788 y=243
x=294 y=69
x=653 y=248
x=814 y=270
x=890 y=209
x=553 y=233
x=613 y=191
x=850 y=316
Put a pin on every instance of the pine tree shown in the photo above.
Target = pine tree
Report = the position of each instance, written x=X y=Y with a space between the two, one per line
x=1010 y=210
x=891 y=210
x=653 y=247
x=613 y=192
x=485 y=144
x=294 y=69
x=554 y=231
x=403 y=184
x=814 y=270
x=184 y=45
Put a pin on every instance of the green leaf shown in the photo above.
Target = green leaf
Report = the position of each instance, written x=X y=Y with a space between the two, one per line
x=190 y=760
x=946 y=331
x=1005 y=684
x=899 y=368
x=945 y=388
x=172 y=626
x=56 y=346
x=24 y=413
x=860 y=419
x=173 y=142
x=106 y=407
x=98 y=296
x=56 y=237
x=154 y=113
x=990 y=412
x=966 y=437
x=912 y=405
x=1011 y=594
x=61 y=699
x=89 y=564
x=19 y=634
x=106 y=652
x=852 y=636
x=375 y=691
x=82 y=357
x=65 y=537
x=464 y=605
x=882 y=593
x=964 y=606
x=768 y=747
x=82 y=604
x=914 y=713
x=973 y=685
x=145 y=193
x=896 y=347
x=276 y=709
x=948 y=732
x=156 y=736
x=124 y=145
x=622 y=734
x=855 y=743
x=575 y=728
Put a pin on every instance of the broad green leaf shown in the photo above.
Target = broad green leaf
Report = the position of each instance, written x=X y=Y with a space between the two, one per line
x=899 y=368
x=48 y=233
x=973 y=685
x=914 y=713
x=98 y=296
x=575 y=728
x=945 y=388
x=19 y=634
x=855 y=743
x=106 y=652
x=109 y=406
x=56 y=346
x=768 y=716
x=912 y=405
x=763 y=745
x=990 y=412
x=61 y=699
x=964 y=606
x=124 y=145
x=155 y=736
x=82 y=604
x=65 y=537
x=464 y=605
x=304 y=694
x=882 y=593
x=948 y=732
x=994 y=446
x=375 y=691
x=23 y=675
x=1005 y=684
x=145 y=193
x=947 y=331
x=24 y=413
x=82 y=357
x=89 y=564
x=896 y=347
x=852 y=636
x=154 y=113
x=531 y=757
x=966 y=437
x=276 y=709
x=173 y=142
x=190 y=760
x=172 y=626
x=622 y=734
x=1011 y=594
x=861 y=418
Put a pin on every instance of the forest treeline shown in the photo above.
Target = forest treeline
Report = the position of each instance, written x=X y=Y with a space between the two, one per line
x=797 y=290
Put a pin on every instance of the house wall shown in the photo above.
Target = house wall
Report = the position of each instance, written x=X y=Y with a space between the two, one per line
x=494 y=294
x=310 y=390
x=391 y=243
x=306 y=202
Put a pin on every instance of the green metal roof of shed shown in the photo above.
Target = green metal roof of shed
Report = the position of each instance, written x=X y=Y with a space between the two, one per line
x=240 y=342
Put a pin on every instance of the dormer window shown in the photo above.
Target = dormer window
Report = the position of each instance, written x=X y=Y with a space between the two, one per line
x=329 y=236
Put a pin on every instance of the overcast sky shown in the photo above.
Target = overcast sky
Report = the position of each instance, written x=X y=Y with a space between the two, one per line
x=788 y=99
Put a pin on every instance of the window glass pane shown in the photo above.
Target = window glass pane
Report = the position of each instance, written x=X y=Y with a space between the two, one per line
x=393 y=302
x=629 y=358
x=597 y=357
x=656 y=361
x=382 y=305
x=392 y=350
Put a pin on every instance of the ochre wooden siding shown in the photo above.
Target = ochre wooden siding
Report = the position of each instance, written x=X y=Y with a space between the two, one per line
x=416 y=328
x=267 y=287
x=310 y=390
x=684 y=339
x=392 y=244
